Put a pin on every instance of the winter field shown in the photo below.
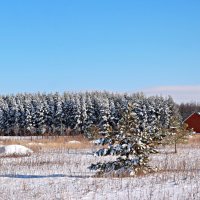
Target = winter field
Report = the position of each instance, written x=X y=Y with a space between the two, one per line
x=57 y=169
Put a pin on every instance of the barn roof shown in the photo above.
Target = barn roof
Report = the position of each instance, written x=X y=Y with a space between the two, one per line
x=193 y=122
x=198 y=113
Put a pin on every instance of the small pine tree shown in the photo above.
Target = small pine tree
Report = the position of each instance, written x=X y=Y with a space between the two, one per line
x=129 y=143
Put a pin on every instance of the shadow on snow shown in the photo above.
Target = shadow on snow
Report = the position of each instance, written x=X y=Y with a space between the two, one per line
x=21 y=176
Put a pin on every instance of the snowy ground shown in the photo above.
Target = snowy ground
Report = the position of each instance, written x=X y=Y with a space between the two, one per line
x=62 y=174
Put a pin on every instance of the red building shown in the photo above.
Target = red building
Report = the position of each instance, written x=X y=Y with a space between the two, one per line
x=193 y=122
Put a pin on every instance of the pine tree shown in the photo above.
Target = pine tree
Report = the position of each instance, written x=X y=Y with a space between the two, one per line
x=131 y=144
x=104 y=117
x=90 y=130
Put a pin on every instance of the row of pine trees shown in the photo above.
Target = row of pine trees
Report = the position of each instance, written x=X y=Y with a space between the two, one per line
x=86 y=113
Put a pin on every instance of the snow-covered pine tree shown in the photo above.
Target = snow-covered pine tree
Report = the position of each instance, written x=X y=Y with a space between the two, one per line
x=37 y=115
x=72 y=112
x=49 y=117
x=77 y=114
x=3 y=115
x=45 y=106
x=67 y=109
x=18 y=114
x=58 y=114
x=154 y=108
x=104 y=117
x=83 y=111
x=27 y=122
x=114 y=118
x=13 y=117
x=129 y=143
x=90 y=121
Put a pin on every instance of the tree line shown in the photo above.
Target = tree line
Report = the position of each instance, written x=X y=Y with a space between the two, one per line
x=84 y=112
x=186 y=109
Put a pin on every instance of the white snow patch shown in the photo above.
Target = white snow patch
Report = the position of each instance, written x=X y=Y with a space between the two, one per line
x=74 y=142
x=93 y=142
x=15 y=150
x=34 y=143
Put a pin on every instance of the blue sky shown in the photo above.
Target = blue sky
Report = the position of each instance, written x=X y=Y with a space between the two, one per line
x=98 y=45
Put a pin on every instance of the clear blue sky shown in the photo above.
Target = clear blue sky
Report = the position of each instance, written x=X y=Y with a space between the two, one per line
x=113 y=45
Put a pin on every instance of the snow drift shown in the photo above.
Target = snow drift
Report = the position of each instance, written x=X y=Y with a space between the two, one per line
x=74 y=142
x=10 y=150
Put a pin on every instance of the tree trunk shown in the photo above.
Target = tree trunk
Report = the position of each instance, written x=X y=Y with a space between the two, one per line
x=175 y=147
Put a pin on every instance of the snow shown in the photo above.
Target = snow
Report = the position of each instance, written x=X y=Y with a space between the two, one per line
x=64 y=174
x=9 y=150
x=33 y=143
x=74 y=142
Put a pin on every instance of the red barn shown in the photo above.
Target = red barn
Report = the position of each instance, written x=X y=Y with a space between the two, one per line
x=193 y=122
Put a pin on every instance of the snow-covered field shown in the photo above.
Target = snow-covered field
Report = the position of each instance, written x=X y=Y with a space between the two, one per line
x=61 y=173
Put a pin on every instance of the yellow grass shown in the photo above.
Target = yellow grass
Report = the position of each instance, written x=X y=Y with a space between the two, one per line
x=194 y=140
x=58 y=142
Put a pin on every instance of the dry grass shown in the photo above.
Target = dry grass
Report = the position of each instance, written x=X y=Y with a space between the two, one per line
x=176 y=162
x=57 y=142
x=195 y=140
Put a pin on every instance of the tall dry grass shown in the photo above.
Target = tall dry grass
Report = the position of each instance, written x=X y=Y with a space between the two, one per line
x=53 y=142
x=194 y=140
